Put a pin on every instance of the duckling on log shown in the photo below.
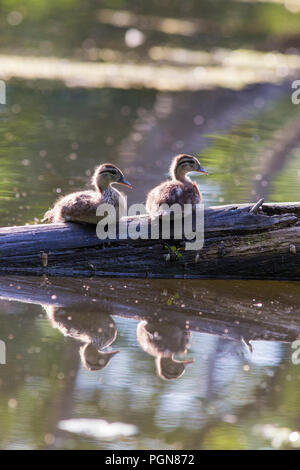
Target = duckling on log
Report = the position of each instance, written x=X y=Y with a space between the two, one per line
x=179 y=189
x=82 y=206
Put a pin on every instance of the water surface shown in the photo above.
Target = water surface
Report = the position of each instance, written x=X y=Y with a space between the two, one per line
x=242 y=384
x=201 y=364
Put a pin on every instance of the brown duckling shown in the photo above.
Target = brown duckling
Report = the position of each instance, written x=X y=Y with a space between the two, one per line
x=179 y=189
x=82 y=206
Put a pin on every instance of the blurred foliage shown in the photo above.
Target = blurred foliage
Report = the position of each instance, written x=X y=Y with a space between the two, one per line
x=38 y=8
x=237 y=157
x=60 y=27
x=285 y=185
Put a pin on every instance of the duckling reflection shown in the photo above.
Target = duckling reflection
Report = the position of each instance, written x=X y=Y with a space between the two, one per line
x=179 y=189
x=163 y=340
x=96 y=330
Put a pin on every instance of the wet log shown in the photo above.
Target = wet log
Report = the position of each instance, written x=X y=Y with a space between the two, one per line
x=239 y=243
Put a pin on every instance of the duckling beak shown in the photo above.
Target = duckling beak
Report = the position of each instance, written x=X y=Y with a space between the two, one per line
x=124 y=182
x=187 y=361
x=202 y=170
x=112 y=353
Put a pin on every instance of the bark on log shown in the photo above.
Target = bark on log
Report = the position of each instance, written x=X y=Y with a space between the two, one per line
x=238 y=244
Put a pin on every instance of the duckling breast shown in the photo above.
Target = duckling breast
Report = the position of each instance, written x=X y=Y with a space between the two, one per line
x=172 y=192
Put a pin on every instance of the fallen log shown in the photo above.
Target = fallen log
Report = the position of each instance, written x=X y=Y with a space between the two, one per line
x=262 y=244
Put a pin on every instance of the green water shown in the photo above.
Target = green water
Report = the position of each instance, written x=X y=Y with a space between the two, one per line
x=51 y=138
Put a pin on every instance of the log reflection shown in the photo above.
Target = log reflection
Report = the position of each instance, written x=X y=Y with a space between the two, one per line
x=167 y=312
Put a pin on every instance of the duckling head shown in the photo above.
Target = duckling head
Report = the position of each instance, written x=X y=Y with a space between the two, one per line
x=93 y=359
x=183 y=164
x=108 y=174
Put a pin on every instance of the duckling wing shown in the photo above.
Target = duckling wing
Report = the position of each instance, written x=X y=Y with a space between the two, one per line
x=75 y=207
x=79 y=207
x=166 y=193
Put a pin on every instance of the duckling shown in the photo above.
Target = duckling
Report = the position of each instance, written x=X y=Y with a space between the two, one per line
x=168 y=368
x=179 y=189
x=163 y=340
x=97 y=331
x=82 y=206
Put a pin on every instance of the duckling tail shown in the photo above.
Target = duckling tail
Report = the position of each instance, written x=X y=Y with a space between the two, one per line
x=48 y=216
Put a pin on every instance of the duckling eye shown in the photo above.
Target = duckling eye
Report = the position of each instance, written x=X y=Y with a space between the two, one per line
x=110 y=172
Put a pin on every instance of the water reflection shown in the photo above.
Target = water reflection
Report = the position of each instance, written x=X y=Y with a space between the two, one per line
x=96 y=331
x=166 y=341
x=161 y=325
